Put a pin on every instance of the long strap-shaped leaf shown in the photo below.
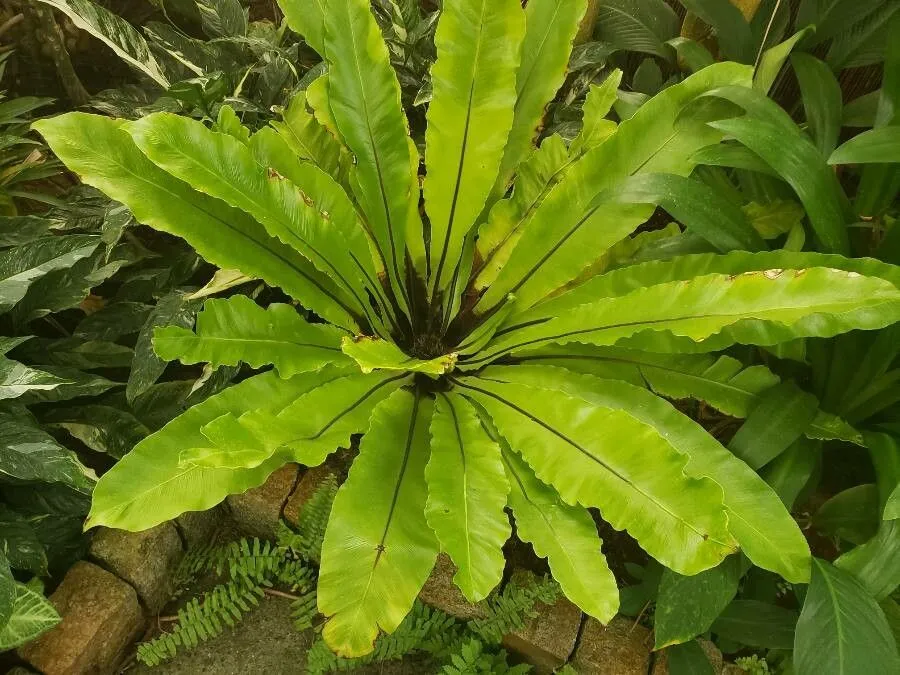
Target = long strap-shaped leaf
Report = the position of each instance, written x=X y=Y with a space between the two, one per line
x=324 y=230
x=565 y=535
x=721 y=381
x=310 y=140
x=235 y=330
x=148 y=486
x=378 y=549
x=550 y=27
x=467 y=491
x=469 y=119
x=307 y=429
x=364 y=97
x=596 y=456
x=765 y=307
x=558 y=241
x=104 y=156
x=756 y=516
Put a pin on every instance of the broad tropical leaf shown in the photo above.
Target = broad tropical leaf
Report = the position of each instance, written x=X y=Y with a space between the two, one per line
x=17 y=378
x=474 y=79
x=823 y=302
x=467 y=490
x=310 y=140
x=307 y=17
x=105 y=157
x=756 y=518
x=238 y=330
x=221 y=166
x=876 y=146
x=364 y=98
x=584 y=451
x=332 y=406
x=378 y=548
x=841 y=628
x=149 y=485
x=720 y=381
x=567 y=536
x=562 y=237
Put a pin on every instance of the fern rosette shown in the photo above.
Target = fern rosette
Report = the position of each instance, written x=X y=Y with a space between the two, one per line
x=496 y=331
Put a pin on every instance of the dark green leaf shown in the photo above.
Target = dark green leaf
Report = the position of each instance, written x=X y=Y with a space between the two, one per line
x=732 y=31
x=851 y=514
x=785 y=412
x=876 y=146
x=757 y=624
x=77 y=383
x=637 y=25
x=20 y=543
x=172 y=310
x=18 y=230
x=688 y=659
x=114 y=321
x=101 y=428
x=687 y=606
x=27 y=453
x=822 y=100
x=841 y=628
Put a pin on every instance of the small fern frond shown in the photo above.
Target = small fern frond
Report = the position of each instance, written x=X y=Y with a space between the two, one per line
x=201 y=619
x=507 y=610
x=304 y=609
x=471 y=659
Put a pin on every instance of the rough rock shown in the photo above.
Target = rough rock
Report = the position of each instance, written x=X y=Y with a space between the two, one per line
x=306 y=488
x=199 y=527
x=101 y=617
x=546 y=641
x=621 y=648
x=661 y=665
x=441 y=593
x=146 y=560
x=257 y=511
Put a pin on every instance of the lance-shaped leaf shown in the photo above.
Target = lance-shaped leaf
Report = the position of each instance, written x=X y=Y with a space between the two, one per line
x=364 y=98
x=600 y=457
x=378 y=549
x=21 y=266
x=718 y=380
x=371 y=354
x=769 y=133
x=764 y=307
x=701 y=208
x=565 y=535
x=307 y=17
x=550 y=27
x=306 y=430
x=841 y=628
x=558 y=242
x=322 y=227
x=309 y=139
x=467 y=491
x=637 y=26
x=235 y=330
x=116 y=33
x=474 y=80
x=756 y=516
x=105 y=157
x=876 y=146
x=822 y=100
x=149 y=486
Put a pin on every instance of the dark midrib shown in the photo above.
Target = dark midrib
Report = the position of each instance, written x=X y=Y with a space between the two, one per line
x=396 y=496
